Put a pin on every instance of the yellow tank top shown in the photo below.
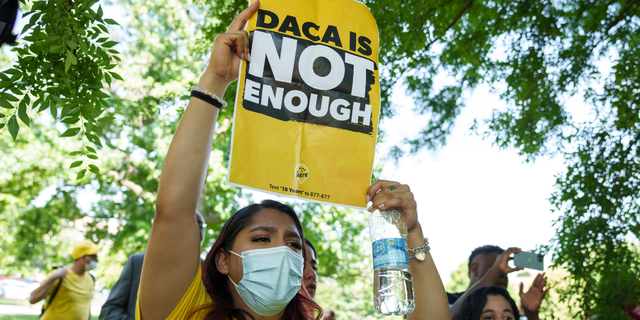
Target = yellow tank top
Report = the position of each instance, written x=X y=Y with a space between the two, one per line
x=73 y=300
x=195 y=296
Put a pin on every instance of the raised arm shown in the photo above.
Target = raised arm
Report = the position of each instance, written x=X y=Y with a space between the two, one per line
x=430 y=298
x=172 y=255
x=500 y=269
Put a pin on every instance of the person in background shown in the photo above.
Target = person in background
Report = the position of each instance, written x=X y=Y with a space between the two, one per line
x=329 y=315
x=489 y=266
x=73 y=286
x=310 y=276
x=121 y=304
x=489 y=303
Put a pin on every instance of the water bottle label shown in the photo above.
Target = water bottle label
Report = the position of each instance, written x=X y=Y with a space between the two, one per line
x=390 y=253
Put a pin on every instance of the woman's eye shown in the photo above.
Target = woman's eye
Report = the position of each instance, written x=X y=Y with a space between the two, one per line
x=261 y=239
x=295 y=245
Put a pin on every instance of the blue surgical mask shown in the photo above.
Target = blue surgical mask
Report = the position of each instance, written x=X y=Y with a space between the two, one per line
x=271 y=278
x=91 y=265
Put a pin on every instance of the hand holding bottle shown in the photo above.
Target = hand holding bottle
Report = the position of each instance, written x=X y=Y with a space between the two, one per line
x=386 y=195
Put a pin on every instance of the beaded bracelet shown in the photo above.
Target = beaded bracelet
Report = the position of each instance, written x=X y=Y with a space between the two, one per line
x=208 y=97
x=420 y=253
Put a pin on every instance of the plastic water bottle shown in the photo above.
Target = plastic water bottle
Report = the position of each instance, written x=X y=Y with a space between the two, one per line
x=392 y=282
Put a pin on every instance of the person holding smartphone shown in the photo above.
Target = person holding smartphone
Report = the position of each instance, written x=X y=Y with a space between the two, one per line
x=489 y=266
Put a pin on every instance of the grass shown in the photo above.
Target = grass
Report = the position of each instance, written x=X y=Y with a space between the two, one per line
x=28 y=317
x=15 y=302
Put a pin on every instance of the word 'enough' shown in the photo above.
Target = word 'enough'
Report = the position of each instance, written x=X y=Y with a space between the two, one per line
x=297 y=101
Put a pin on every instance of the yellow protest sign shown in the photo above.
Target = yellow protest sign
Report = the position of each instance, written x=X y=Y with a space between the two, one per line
x=308 y=102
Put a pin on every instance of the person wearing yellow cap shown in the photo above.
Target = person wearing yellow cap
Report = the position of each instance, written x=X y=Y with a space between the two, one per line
x=69 y=291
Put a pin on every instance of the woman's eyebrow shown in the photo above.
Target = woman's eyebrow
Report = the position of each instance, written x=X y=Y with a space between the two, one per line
x=491 y=310
x=263 y=228
x=291 y=234
x=287 y=233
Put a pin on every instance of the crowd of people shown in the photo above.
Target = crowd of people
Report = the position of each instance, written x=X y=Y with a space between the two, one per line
x=260 y=266
x=68 y=291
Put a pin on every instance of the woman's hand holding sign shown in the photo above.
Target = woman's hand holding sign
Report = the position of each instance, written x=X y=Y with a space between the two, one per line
x=172 y=256
x=430 y=300
x=229 y=49
x=170 y=264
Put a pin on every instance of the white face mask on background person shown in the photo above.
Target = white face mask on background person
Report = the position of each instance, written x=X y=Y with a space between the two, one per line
x=271 y=278
x=91 y=265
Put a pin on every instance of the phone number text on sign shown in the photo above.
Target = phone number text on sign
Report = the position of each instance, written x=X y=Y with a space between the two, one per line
x=301 y=192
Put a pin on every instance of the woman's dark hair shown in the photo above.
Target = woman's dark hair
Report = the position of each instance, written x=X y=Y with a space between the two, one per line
x=312 y=247
x=222 y=306
x=474 y=304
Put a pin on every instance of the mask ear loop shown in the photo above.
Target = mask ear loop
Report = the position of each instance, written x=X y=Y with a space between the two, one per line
x=239 y=256
x=227 y=274
x=232 y=281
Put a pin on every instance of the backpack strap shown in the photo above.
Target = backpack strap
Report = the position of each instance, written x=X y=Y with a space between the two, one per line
x=53 y=294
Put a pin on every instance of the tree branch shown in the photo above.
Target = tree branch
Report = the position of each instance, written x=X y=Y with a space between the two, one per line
x=466 y=6
x=136 y=188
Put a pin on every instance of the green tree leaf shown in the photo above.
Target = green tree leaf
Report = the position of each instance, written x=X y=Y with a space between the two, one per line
x=22 y=114
x=94 y=169
x=116 y=76
x=111 y=21
x=6 y=104
x=72 y=58
x=72 y=45
x=13 y=126
x=94 y=139
x=8 y=97
x=70 y=132
x=67 y=62
x=75 y=164
x=109 y=44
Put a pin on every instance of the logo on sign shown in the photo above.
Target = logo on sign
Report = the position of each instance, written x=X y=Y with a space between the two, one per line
x=302 y=173
x=379 y=248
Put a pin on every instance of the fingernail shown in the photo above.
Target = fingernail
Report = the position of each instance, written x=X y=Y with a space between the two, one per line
x=368 y=198
x=248 y=56
x=381 y=206
x=243 y=56
x=370 y=209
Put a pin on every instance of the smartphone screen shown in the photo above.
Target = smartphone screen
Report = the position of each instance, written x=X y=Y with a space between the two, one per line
x=529 y=260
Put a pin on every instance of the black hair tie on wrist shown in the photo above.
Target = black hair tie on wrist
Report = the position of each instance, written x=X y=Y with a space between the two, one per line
x=206 y=98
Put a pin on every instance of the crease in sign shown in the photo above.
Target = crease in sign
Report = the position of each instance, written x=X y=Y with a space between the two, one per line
x=327 y=86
